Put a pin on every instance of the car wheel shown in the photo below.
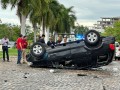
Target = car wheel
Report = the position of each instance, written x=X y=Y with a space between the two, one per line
x=110 y=58
x=115 y=58
x=38 y=50
x=106 y=59
x=92 y=37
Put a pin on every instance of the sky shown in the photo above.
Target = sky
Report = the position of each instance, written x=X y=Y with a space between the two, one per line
x=88 y=12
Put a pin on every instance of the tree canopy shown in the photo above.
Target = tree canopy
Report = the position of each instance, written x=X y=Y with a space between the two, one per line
x=11 y=31
x=80 y=29
x=113 y=31
x=46 y=13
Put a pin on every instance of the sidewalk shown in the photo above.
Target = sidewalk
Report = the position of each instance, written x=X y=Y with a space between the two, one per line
x=23 y=77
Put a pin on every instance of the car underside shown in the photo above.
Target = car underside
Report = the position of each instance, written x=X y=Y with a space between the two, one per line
x=92 y=52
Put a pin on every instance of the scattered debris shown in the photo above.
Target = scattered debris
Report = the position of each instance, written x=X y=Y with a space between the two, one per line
x=81 y=74
x=115 y=69
x=26 y=73
x=95 y=77
x=104 y=88
x=5 y=80
x=24 y=77
x=13 y=70
x=52 y=70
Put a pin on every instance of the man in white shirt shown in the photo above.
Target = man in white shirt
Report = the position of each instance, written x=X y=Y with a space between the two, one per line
x=5 y=42
x=64 y=40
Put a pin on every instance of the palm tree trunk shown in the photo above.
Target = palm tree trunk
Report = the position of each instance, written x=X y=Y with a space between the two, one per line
x=23 y=22
x=43 y=25
x=34 y=35
x=34 y=27
x=55 y=35
x=47 y=35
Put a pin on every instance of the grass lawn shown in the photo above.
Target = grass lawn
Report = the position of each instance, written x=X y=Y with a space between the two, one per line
x=12 y=52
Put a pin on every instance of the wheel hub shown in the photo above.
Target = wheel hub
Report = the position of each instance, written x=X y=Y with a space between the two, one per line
x=92 y=37
x=37 y=49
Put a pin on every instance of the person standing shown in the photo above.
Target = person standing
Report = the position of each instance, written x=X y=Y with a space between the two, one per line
x=64 y=40
x=42 y=39
x=51 y=42
x=5 y=42
x=19 y=48
x=59 y=40
x=25 y=44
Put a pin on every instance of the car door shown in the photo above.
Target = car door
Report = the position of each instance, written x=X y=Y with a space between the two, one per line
x=60 y=52
x=77 y=49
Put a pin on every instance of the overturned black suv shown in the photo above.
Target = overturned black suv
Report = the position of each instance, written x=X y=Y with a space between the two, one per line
x=91 y=52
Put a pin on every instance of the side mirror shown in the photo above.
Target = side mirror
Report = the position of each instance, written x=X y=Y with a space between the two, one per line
x=64 y=44
x=78 y=41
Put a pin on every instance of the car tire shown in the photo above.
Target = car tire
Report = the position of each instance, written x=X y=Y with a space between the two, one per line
x=110 y=57
x=37 y=50
x=92 y=38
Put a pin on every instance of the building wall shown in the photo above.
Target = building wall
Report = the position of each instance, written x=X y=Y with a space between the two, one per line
x=105 y=22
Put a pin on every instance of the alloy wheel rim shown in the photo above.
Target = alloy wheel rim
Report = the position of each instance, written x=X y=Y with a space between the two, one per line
x=92 y=37
x=37 y=49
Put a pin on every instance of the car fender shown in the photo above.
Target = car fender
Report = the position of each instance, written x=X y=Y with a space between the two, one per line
x=94 y=48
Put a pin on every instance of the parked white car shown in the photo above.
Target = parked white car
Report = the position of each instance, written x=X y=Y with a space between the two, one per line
x=117 y=51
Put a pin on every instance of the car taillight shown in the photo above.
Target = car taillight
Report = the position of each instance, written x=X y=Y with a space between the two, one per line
x=112 y=46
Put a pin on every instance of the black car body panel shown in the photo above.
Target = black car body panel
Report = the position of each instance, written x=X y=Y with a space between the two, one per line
x=77 y=53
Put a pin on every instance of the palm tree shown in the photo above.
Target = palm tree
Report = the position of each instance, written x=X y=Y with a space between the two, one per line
x=80 y=29
x=65 y=19
x=44 y=13
x=47 y=13
x=68 y=19
x=34 y=20
x=36 y=15
x=22 y=10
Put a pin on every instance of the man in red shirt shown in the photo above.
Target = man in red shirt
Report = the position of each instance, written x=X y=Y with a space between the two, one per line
x=24 y=45
x=19 y=48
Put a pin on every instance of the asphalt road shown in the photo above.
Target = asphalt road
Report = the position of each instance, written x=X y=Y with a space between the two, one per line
x=23 y=77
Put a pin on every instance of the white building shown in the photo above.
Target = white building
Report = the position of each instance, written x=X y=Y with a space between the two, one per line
x=105 y=22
